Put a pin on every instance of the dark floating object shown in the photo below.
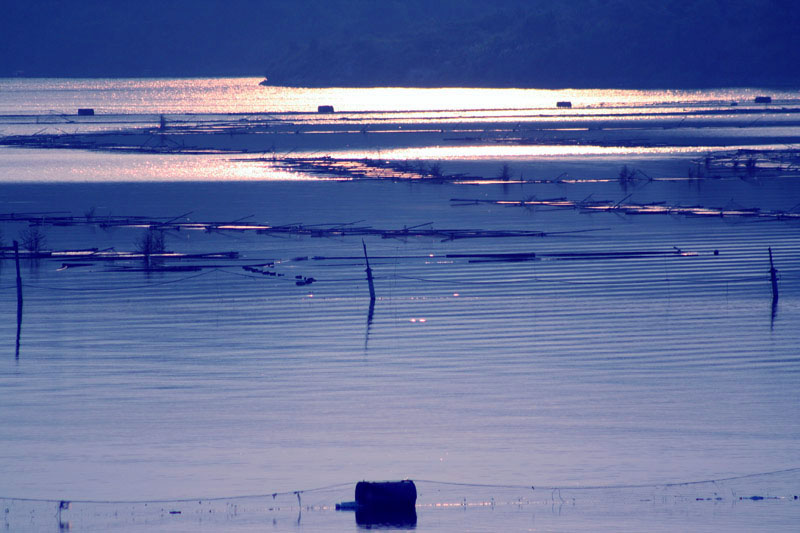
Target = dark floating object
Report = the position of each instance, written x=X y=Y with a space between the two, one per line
x=262 y=269
x=386 y=494
x=85 y=111
x=384 y=504
x=763 y=99
x=508 y=257
x=264 y=82
x=325 y=109
x=564 y=104
x=346 y=506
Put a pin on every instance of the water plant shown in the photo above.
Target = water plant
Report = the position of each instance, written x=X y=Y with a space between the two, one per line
x=627 y=175
x=32 y=239
x=151 y=242
x=505 y=172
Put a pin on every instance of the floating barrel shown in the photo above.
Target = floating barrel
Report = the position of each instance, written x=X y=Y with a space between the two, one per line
x=763 y=99
x=386 y=494
x=85 y=111
x=564 y=104
x=389 y=504
x=384 y=504
x=325 y=109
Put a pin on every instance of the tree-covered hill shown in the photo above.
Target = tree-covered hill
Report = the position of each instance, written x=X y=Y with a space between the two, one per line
x=523 y=43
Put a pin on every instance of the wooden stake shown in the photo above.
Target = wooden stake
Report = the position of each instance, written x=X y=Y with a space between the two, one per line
x=369 y=274
x=19 y=296
x=773 y=274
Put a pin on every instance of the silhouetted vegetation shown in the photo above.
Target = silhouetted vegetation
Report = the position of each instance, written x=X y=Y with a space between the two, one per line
x=545 y=43
x=627 y=175
x=32 y=239
x=436 y=170
x=150 y=243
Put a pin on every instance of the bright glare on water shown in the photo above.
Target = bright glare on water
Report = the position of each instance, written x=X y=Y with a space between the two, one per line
x=245 y=95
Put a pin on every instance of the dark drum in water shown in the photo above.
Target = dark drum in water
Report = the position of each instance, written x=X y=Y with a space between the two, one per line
x=386 y=494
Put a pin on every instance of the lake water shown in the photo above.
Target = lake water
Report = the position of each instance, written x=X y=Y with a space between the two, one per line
x=582 y=390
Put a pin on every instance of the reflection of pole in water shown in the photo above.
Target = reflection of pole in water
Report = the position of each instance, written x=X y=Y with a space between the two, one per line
x=370 y=312
x=774 y=314
x=19 y=296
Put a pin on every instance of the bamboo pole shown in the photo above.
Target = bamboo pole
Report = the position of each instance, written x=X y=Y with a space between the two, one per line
x=369 y=274
x=773 y=274
x=19 y=296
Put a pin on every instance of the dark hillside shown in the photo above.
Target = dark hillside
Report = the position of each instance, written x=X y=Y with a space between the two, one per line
x=544 y=43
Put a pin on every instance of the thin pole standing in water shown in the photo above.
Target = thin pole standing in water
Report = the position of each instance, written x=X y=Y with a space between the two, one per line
x=19 y=296
x=773 y=274
x=369 y=273
x=371 y=310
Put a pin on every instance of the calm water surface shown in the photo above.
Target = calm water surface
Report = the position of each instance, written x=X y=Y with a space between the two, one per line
x=619 y=373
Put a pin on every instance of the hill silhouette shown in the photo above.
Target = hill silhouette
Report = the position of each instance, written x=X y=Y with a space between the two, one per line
x=504 y=43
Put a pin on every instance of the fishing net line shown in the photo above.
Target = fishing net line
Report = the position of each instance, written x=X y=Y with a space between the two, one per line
x=439 y=504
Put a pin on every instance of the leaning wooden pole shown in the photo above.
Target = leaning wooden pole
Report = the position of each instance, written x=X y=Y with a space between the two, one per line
x=19 y=295
x=773 y=274
x=369 y=274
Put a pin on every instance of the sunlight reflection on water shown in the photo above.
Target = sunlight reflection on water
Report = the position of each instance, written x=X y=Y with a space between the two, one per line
x=245 y=95
x=22 y=165
x=525 y=151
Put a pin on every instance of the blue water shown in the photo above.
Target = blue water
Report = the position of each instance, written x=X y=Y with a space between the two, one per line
x=623 y=374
